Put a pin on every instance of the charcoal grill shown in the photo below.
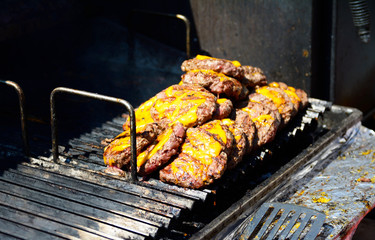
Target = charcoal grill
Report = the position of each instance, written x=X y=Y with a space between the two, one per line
x=70 y=196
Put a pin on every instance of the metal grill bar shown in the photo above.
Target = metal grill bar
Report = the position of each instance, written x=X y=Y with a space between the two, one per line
x=127 y=105
x=21 y=99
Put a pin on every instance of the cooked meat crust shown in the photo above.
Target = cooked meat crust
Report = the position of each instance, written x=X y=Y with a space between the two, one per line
x=281 y=100
x=203 y=156
x=298 y=96
x=253 y=76
x=118 y=152
x=217 y=83
x=189 y=104
x=259 y=98
x=244 y=122
x=265 y=120
x=163 y=148
x=224 y=108
x=229 y=68
x=241 y=145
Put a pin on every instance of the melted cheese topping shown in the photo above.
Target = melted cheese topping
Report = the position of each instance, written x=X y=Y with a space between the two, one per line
x=203 y=57
x=142 y=117
x=222 y=77
x=221 y=100
x=178 y=99
x=161 y=140
x=274 y=84
x=215 y=127
x=264 y=119
x=202 y=147
x=293 y=96
x=276 y=97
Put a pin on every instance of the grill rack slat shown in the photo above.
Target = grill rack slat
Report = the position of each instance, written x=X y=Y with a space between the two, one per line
x=64 y=217
x=78 y=208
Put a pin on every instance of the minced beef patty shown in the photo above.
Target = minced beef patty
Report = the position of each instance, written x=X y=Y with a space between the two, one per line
x=118 y=152
x=253 y=76
x=162 y=149
x=217 y=83
x=224 y=108
x=191 y=105
x=281 y=100
x=241 y=145
x=203 y=157
x=227 y=67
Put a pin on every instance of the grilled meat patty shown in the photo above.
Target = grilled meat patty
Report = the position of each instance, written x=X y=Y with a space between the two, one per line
x=142 y=115
x=253 y=76
x=244 y=122
x=265 y=120
x=118 y=152
x=298 y=95
x=280 y=99
x=229 y=68
x=203 y=157
x=188 y=104
x=223 y=108
x=217 y=83
x=241 y=145
x=162 y=149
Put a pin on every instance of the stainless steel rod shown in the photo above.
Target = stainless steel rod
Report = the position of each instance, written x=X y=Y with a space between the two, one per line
x=21 y=98
x=127 y=105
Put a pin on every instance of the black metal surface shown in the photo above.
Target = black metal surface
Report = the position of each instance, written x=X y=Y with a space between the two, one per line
x=278 y=219
x=127 y=105
x=21 y=99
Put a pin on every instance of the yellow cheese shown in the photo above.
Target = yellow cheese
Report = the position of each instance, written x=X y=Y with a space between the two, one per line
x=161 y=139
x=273 y=95
x=203 y=57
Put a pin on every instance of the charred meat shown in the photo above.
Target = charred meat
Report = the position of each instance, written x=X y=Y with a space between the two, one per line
x=217 y=83
x=229 y=68
x=203 y=157
x=190 y=105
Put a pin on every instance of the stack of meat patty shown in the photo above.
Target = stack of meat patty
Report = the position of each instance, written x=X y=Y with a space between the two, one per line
x=190 y=133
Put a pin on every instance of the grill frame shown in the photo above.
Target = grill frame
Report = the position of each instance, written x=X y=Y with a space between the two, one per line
x=166 y=205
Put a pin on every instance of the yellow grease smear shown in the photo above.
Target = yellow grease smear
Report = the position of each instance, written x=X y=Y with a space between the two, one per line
x=321 y=199
x=366 y=152
x=161 y=139
x=203 y=57
x=273 y=95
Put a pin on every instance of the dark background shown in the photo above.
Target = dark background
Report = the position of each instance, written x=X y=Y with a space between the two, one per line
x=108 y=48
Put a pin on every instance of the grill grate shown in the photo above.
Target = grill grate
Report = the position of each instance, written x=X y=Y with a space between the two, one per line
x=74 y=198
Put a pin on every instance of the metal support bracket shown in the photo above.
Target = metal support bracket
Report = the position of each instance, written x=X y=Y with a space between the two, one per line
x=127 y=105
x=171 y=15
x=21 y=98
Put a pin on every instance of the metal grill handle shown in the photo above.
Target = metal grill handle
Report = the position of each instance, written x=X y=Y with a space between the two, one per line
x=21 y=98
x=127 y=105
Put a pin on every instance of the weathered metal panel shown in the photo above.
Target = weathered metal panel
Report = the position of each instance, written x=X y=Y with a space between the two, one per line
x=272 y=35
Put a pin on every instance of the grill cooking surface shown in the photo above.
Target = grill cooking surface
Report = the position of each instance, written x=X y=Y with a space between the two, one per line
x=74 y=198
